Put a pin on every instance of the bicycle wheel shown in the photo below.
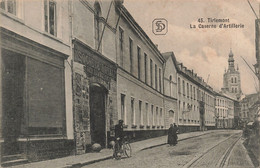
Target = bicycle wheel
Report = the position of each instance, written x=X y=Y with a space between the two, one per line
x=116 y=151
x=127 y=149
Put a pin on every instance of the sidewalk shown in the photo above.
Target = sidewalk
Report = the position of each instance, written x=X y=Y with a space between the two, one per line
x=239 y=157
x=88 y=158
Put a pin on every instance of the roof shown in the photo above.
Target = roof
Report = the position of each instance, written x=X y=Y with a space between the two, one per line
x=250 y=96
x=226 y=96
x=168 y=55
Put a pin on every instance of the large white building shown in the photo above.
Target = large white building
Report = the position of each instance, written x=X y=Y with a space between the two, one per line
x=224 y=111
x=140 y=98
x=195 y=101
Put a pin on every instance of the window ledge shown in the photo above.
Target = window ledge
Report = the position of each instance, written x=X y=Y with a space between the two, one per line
x=134 y=126
x=12 y=16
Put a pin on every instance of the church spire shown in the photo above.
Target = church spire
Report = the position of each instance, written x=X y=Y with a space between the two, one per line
x=231 y=61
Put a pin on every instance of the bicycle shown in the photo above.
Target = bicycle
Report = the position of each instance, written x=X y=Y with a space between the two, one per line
x=125 y=150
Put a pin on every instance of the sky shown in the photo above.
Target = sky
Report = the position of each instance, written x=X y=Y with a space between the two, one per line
x=203 y=50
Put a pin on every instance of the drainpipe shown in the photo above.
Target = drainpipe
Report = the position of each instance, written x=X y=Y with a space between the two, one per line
x=70 y=5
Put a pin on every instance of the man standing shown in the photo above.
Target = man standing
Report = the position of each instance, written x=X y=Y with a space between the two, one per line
x=119 y=134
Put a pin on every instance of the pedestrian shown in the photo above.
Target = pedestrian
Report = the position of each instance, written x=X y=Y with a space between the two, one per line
x=171 y=135
x=119 y=135
x=175 y=132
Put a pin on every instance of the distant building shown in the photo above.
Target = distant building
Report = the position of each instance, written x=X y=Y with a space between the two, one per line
x=196 y=101
x=224 y=111
x=231 y=79
x=247 y=103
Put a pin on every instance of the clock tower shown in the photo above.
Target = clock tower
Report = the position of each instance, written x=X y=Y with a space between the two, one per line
x=231 y=79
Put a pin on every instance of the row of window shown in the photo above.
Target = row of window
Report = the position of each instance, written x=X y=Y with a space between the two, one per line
x=222 y=113
x=189 y=91
x=224 y=103
x=155 y=72
x=144 y=116
x=183 y=121
x=188 y=109
x=188 y=121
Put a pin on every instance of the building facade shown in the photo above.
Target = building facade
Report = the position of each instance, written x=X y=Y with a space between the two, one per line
x=94 y=72
x=170 y=89
x=247 y=115
x=140 y=99
x=35 y=114
x=195 y=101
x=224 y=111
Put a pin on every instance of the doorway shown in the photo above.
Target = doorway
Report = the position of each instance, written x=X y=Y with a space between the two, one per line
x=97 y=101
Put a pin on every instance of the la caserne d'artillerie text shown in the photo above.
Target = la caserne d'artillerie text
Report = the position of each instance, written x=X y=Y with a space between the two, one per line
x=213 y=23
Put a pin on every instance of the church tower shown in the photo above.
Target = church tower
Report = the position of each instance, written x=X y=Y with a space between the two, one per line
x=231 y=79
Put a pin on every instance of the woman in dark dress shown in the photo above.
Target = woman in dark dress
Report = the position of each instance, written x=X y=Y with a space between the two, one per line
x=175 y=137
x=171 y=135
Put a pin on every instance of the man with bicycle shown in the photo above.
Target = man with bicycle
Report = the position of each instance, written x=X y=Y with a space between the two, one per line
x=119 y=135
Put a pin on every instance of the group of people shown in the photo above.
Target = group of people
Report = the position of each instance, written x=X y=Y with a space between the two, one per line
x=172 y=135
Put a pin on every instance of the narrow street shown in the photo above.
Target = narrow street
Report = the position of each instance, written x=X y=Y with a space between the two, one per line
x=211 y=150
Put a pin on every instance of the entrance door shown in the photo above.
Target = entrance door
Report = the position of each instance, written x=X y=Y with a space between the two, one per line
x=13 y=87
x=97 y=100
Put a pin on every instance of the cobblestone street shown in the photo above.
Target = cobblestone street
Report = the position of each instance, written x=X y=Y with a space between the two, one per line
x=180 y=155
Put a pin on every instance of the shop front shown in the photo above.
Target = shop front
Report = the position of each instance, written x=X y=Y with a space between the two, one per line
x=33 y=122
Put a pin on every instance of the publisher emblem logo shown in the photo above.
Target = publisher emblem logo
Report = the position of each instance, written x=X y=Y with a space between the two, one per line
x=160 y=26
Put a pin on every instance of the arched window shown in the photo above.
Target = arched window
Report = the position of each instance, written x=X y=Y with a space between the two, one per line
x=171 y=117
x=97 y=26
